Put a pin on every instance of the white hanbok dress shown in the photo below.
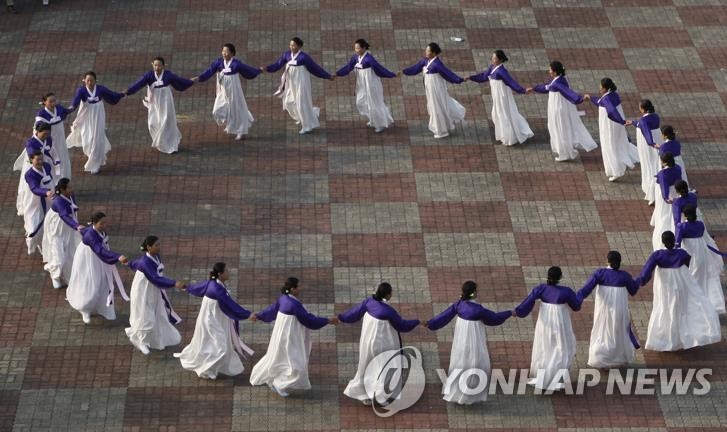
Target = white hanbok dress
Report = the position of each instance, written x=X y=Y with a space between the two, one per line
x=567 y=131
x=94 y=276
x=705 y=265
x=58 y=134
x=444 y=111
x=617 y=152
x=296 y=93
x=662 y=219
x=60 y=240
x=152 y=318
x=22 y=164
x=682 y=316
x=216 y=347
x=648 y=158
x=285 y=364
x=230 y=109
x=35 y=206
x=370 y=94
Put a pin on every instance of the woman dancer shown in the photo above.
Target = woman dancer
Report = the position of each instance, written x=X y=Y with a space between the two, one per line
x=94 y=274
x=554 y=343
x=469 y=344
x=682 y=316
x=369 y=91
x=284 y=366
x=55 y=114
x=159 y=102
x=61 y=234
x=152 y=319
x=295 y=86
x=510 y=126
x=673 y=146
x=38 y=186
x=613 y=343
x=42 y=142
x=230 y=108
x=567 y=132
x=616 y=149
x=648 y=137
x=216 y=347
x=379 y=333
x=662 y=217
x=444 y=111
x=89 y=128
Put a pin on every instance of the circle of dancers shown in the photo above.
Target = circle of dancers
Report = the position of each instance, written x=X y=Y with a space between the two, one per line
x=685 y=265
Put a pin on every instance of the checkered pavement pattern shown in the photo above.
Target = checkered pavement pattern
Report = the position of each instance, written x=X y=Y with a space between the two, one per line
x=344 y=208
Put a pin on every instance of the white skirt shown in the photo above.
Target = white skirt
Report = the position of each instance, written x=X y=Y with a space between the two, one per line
x=662 y=219
x=443 y=110
x=510 y=127
x=162 y=119
x=285 y=364
x=90 y=284
x=469 y=351
x=567 y=131
x=706 y=266
x=682 y=316
x=610 y=341
x=370 y=99
x=230 y=108
x=554 y=345
x=617 y=152
x=58 y=134
x=211 y=351
x=148 y=322
x=298 y=98
x=22 y=164
x=649 y=161
x=59 y=245
x=377 y=336
x=88 y=131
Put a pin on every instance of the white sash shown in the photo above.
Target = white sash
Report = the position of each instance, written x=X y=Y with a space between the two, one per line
x=167 y=304
x=112 y=276
x=359 y=64
x=492 y=72
x=92 y=98
x=74 y=207
x=426 y=67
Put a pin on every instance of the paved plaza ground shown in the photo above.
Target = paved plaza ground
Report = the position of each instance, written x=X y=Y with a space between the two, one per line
x=344 y=208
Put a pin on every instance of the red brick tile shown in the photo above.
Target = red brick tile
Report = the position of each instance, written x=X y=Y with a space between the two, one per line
x=281 y=219
x=470 y=158
x=624 y=215
x=703 y=15
x=133 y=20
x=709 y=183
x=264 y=283
x=496 y=4
x=561 y=249
x=546 y=186
x=464 y=217
x=8 y=405
x=571 y=17
x=293 y=20
x=589 y=58
x=669 y=81
x=496 y=284
x=342 y=40
x=427 y=18
x=183 y=408
x=284 y=160
x=8 y=63
x=77 y=367
x=372 y=188
x=17 y=325
x=378 y=250
x=713 y=57
x=653 y=37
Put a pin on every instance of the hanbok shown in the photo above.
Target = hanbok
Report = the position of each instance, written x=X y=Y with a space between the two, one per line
x=510 y=126
x=285 y=365
x=369 y=91
x=295 y=87
x=444 y=111
x=61 y=237
x=88 y=130
x=159 y=102
x=152 y=318
x=648 y=135
x=469 y=345
x=705 y=265
x=616 y=150
x=682 y=316
x=613 y=342
x=37 y=183
x=94 y=276
x=22 y=164
x=554 y=343
x=682 y=202
x=216 y=347
x=379 y=333
x=675 y=148
x=55 y=119
x=567 y=131
x=662 y=217
x=230 y=108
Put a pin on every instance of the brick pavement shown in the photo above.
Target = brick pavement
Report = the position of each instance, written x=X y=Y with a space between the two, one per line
x=344 y=208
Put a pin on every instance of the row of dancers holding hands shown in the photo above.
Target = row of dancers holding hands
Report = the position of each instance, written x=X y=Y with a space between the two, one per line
x=567 y=131
x=684 y=314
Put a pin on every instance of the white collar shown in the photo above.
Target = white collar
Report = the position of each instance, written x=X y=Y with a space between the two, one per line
x=155 y=259
x=495 y=68
x=92 y=94
x=158 y=77
x=226 y=63
x=53 y=113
